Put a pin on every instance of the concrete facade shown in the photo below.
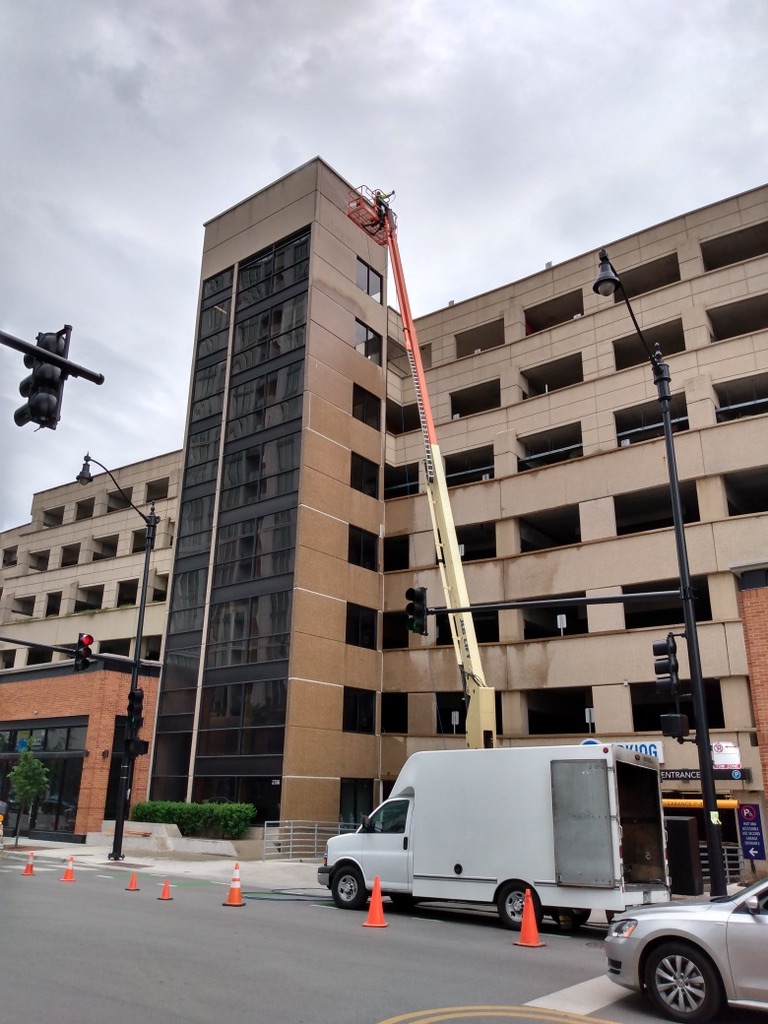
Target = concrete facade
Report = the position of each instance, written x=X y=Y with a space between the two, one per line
x=289 y=676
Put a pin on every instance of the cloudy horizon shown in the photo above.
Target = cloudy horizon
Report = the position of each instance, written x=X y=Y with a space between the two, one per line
x=514 y=133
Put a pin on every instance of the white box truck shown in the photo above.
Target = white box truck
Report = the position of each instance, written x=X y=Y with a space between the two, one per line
x=580 y=826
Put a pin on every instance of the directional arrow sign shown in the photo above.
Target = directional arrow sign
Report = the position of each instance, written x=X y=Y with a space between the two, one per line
x=751 y=832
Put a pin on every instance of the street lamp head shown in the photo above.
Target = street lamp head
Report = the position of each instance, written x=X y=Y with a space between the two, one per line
x=84 y=476
x=607 y=280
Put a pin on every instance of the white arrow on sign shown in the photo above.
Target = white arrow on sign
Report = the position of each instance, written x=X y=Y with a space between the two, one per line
x=753 y=853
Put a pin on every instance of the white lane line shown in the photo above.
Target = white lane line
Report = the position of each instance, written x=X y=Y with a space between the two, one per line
x=584 y=998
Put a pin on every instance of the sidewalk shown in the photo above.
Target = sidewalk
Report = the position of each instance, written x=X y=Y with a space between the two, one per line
x=254 y=874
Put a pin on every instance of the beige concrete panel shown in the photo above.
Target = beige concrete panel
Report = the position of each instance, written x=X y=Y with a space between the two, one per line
x=307 y=799
x=475 y=503
x=421 y=714
x=737 y=703
x=337 y=319
x=712 y=499
x=511 y=626
x=320 y=531
x=514 y=715
x=318 y=615
x=740 y=540
x=735 y=445
x=394 y=754
x=320 y=658
x=328 y=573
x=336 y=753
x=613 y=709
x=484 y=580
x=723 y=596
x=314 y=705
x=333 y=364
x=399 y=516
x=604 y=618
x=228 y=240
x=701 y=402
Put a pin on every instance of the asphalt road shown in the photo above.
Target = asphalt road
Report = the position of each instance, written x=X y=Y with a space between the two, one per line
x=90 y=951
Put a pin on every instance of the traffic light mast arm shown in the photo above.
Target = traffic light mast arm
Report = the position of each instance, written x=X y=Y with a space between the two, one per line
x=72 y=369
x=370 y=210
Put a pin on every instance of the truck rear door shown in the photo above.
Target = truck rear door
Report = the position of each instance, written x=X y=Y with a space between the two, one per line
x=584 y=853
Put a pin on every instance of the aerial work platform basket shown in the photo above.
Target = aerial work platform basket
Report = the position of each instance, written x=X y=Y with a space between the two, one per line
x=369 y=209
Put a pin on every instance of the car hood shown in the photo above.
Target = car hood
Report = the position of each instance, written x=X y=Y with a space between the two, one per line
x=680 y=908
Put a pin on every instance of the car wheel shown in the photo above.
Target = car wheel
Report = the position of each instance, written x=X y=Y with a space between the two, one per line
x=510 y=903
x=681 y=983
x=348 y=889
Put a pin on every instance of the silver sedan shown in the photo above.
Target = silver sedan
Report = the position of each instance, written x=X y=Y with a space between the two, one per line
x=692 y=956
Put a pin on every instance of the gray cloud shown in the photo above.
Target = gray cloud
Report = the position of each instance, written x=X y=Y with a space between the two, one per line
x=514 y=133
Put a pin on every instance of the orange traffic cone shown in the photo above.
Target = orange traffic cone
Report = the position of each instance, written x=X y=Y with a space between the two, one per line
x=529 y=932
x=235 y=896
x=29 y=867
x=69 y=874
x=376 y=909
x=132 y=886
x=166 y=893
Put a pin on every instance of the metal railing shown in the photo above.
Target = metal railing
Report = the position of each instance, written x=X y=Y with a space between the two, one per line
x=300 y=840
x=732 y=861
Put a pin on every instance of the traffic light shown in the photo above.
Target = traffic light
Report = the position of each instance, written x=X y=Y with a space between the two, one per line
x=83 y=651
x=135 y=748
x=674 y=725
x=135 y=709
x=416 y=609
x=665 y=666
x=44 y=387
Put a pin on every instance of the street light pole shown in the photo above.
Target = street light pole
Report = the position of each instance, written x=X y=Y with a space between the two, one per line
x=126 y=765
x=607 y=282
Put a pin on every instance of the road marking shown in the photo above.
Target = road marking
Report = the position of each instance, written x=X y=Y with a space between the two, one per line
x=469 y=1013
x=584 y=998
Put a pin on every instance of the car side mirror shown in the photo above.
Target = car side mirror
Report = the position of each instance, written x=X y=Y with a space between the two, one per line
x=752 y=903
x=365 y=824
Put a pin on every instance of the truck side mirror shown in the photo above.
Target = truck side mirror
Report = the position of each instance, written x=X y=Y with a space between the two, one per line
x=365 y=825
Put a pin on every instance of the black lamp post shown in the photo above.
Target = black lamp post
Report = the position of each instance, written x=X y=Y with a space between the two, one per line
x=126 y=765
x=607 y=282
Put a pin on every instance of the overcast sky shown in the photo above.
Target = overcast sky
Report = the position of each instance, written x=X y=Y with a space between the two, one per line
x=515 y=132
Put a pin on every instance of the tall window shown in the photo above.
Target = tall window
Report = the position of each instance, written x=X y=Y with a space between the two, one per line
x=363 y=548
x=368 y=342
x=359 y=710
x=361 y=626
x=364 y=475
x=369 y=280
x=366 y=407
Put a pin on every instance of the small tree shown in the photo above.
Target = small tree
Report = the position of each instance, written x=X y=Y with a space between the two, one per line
x=29 y=780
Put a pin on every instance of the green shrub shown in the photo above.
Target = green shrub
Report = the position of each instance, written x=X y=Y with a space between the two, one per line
x=214 y=821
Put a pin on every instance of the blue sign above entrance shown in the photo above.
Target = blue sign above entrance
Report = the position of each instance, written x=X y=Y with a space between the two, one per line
x=751 y=832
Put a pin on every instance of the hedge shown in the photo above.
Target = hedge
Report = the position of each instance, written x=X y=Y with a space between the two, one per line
x=214 y=821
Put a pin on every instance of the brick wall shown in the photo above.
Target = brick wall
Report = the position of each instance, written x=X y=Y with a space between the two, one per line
x=754 y=616
x=100 y=695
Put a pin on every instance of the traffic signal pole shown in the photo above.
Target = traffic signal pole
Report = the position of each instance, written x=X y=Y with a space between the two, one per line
x=607 y=283
x=126 y=764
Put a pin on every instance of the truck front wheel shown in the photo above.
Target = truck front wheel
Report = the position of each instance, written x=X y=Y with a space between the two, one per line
x=511 y=901
x=348 y=888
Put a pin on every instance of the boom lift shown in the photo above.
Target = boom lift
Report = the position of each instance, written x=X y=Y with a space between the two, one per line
x=370 y=210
